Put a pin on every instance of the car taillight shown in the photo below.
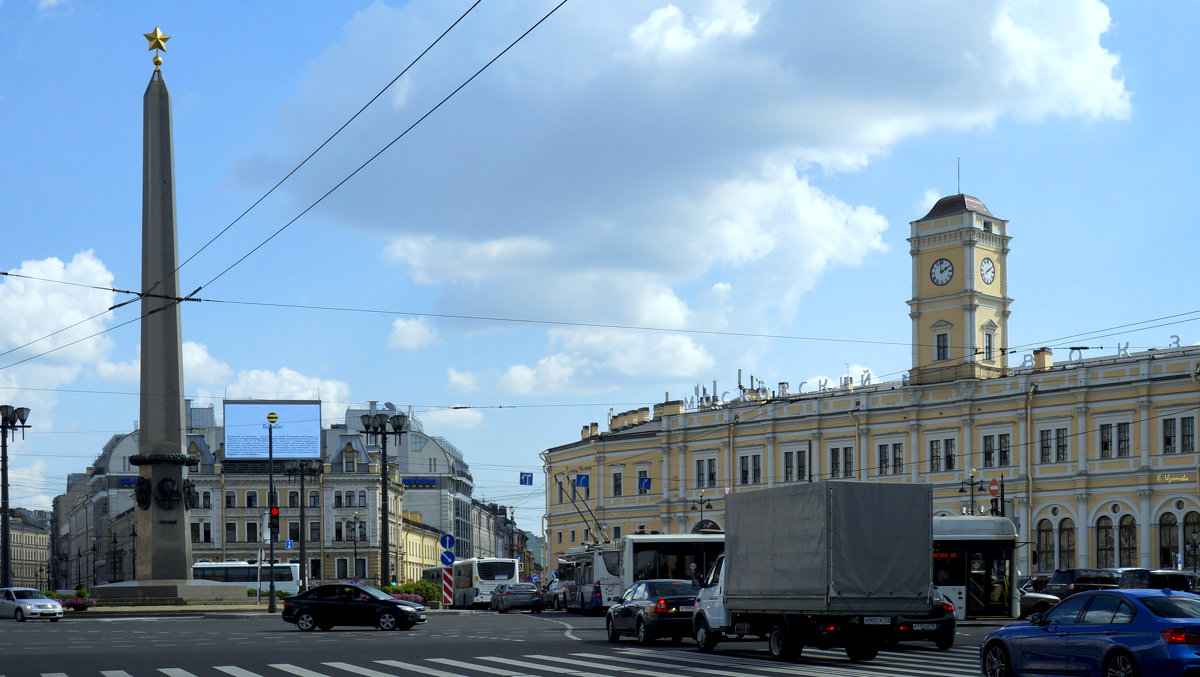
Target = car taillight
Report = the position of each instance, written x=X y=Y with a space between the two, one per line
x=660 y=607
x=286 y=604
x=946 y=607
x=1181 y=636
x=596 y=591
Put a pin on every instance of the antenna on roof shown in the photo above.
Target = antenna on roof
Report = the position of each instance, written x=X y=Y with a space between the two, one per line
x=959 y=175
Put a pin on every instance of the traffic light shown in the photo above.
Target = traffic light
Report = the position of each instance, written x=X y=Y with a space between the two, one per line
x=274 y=523
x=996 y=510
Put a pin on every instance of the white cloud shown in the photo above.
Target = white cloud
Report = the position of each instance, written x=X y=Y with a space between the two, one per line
x=632 y=353
x=553 y=374
x=452 y=418
x=287 y=384
x=928 y=199
x=462 y=380
x=436 y=261
x=411 y=334
x=198 y=367
x=668 y=31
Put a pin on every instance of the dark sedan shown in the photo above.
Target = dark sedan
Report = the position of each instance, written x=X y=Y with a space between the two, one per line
x=652 y=609
x=350 y=604
x=517 y=596
x=1114 y=633
x=938 y=626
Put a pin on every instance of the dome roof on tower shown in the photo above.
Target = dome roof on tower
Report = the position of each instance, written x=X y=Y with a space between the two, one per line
x=957 y=204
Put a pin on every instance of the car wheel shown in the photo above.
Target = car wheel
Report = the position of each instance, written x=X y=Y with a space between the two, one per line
x=1120 y=664
x=996 y=662
x=780 y=646
x=643 y=633
x=706 y=639
x=944 y=641
x=613 y=635
x=387 y=621
x=305 y=621
x=19 y=616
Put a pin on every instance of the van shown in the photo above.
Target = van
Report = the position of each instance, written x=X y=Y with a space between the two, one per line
x=1066 y=582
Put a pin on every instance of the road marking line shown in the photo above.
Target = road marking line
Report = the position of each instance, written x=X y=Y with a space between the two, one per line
x=423 y=669
x=499 y=672
x=235 y=671
x=175 y=672
x=302 y=672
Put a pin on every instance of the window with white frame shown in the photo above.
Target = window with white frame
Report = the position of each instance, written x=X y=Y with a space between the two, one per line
x=1061 y=438
x=1113 y=440
x=616 y=532
x=706 y=472
x=802 y=464
x=997 y=450
x=789 y=466
x=835 y=461
x=1045 y=444
x=989 y=346
x=897 y=457
x=1179 y=435
x=616 y=482
x=349 y=458
x=891 y=457
x=314 y=499
x=251 y=499
x=885 y=459
x=942 y=346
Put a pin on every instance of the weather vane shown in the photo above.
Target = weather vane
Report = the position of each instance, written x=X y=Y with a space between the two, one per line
x=158 y=41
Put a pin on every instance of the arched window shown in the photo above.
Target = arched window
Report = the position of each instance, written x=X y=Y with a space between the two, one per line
x=1104 y=542
x=1128 y=538
x=337 y=499
x=206 y=499
x=1066 y=543
x=1168 y=540
x=1045 y=546
x=1191 y=534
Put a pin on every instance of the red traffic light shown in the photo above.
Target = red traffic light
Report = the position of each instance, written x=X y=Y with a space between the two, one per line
x=274 y=512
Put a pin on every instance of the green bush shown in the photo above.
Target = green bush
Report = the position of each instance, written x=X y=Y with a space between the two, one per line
x=428 y=591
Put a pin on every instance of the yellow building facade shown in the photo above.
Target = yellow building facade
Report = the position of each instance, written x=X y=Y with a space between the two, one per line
x=1097 y=456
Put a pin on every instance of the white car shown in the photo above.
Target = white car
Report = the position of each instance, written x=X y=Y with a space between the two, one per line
x=22 y=603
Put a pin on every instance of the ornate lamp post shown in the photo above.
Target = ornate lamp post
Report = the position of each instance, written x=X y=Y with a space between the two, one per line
x=377 y=424
x=302 y=469
x=11 y=419
x=357 y=522
x=702 y=503
x=971 y=485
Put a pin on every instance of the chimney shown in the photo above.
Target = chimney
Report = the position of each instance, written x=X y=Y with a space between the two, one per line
x=672 y=408
x=1043 y=359
x=583 y=434
x=595 y=429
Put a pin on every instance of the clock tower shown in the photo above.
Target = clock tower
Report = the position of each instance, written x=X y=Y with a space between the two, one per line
x=960 y=305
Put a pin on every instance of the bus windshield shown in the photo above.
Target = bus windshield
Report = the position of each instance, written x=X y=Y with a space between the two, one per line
x=497 y=571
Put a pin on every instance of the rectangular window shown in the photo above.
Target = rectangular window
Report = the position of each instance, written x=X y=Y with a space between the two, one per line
x=293 y=499
x=848 y=464
x=1005 y=458
x=252 y=532
x=195 y=532
x=207 y=503
x=314 y=531
x=885 y=459
x=898 y=457
x=1168 y=436
x=572 y=535
x=616 y=532
x=1106 y=440
x=560 y=538
x=1122 y=440
x=989 y=451
x=1060 y=445
x=231 y=532
x=337 y=531
x=712 y=472
x=343 y=568
x=251 y=499
x=1045 y=446
x=789 y=468
x=948 y=447
x=935 y=455
x=337 y=499
x=230 y=499
x=642 y=486
x=350 y=499
x=802 y=465
x=835 y=462
x=560 y=492
x=616 y=484
x=756 y=469
x=989 y=347
x=206 y=535
x=700 y=473
x=349 y=462
x=1187 y=434
x=293 y=531
x=745 y=467
x=943 y=348
x=314 y=499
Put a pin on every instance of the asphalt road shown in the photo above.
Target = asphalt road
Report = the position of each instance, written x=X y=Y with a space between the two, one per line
x=467 y=644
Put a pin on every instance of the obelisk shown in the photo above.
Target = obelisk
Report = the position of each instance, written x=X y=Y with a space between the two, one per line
x=164 y=549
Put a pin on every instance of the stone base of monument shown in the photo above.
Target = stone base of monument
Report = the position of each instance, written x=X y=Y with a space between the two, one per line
x=169 y=592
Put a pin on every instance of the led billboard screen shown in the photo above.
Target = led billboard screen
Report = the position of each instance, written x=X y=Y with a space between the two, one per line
x=296 y=432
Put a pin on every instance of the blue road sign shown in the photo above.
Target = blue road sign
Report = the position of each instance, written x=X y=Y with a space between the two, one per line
x=643 y=484
x=447 y=558
x=289 y=544
x=447 y=541
x=582 y=480
x=527 y=478
x=534 y=578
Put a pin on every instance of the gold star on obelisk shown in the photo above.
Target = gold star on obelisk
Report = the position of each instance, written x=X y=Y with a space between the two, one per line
x=157 y=41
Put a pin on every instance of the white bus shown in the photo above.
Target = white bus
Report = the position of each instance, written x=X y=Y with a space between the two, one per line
x=591 y=576
x=475 y=578
x=253 y=574
x=974 y=564
x=645 y=556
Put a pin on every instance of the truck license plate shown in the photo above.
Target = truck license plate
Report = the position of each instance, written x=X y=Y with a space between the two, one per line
x=924 y=626
x=877 y=620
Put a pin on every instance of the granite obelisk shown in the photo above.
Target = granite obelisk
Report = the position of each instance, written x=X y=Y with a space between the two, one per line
x=164 y=550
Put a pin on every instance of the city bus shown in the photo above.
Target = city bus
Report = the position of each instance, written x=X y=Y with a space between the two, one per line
x=645 y=556
x=256 y=575
x=974 y=565
x=475 y=578
x=591 y=576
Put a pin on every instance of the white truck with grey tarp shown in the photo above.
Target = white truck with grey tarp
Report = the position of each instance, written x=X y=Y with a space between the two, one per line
x=820 y=564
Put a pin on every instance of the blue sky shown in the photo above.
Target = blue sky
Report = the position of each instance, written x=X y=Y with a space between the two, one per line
x=692 y=167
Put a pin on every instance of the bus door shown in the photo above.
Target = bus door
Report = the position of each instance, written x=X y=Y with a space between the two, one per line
x=975 y=575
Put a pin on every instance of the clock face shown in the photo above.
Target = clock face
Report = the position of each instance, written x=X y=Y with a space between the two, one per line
x=941 y=272
x=987 y=271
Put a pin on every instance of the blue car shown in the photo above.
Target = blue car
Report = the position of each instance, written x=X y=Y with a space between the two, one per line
x=1111 y=633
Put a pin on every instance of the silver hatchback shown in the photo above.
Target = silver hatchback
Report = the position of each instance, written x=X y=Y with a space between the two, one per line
x=20 y=604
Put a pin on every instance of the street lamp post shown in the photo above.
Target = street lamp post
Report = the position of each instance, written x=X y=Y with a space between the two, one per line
x=357 y=522
x=1195 y=550
x=702 y=503
x=970 y=486
x=272 y=523
x=11 y=419
x=302 y=469
x=377 y=424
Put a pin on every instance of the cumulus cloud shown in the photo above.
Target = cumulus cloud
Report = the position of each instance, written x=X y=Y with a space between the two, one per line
x=411 y=334
x=462 y=380
x=198 y=367
x=287 y=384
x=553 y=374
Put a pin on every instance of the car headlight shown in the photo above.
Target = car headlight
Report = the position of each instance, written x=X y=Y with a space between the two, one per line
x=27 y=605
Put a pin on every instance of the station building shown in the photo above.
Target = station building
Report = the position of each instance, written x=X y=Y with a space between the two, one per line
x=1097 y=457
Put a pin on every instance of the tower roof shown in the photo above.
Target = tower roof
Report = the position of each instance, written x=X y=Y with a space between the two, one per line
x=957 y=204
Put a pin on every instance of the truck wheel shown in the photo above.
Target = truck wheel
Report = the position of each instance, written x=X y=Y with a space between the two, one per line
x=706 y=639
x=861 y=650
x=782 y=646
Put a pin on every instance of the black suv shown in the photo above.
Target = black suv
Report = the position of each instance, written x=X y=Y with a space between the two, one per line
x=1158 y=579
x=1067 y=582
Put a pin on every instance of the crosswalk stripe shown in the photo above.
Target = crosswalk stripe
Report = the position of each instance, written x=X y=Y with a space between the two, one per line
x=356 y=669
x=114 y=673
x=424 y=670
x=175 y=672
x=833 y=663
x=536 y=666
x=235 y=671
x=499 y=672
x=603 y=666
x=296 y=670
